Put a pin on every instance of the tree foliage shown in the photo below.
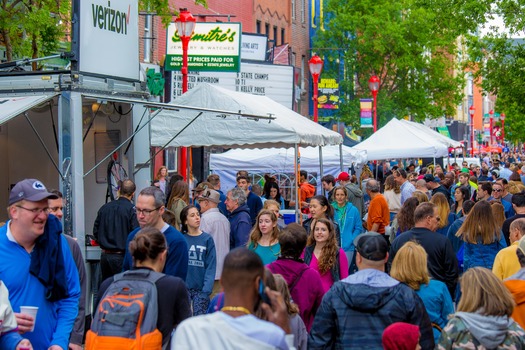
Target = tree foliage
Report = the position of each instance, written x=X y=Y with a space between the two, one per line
x=410 y=45
x=32 y=28
x=498 y=62
x=163 y=8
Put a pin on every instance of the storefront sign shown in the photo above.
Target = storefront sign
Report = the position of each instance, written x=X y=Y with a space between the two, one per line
x=254 y=47
x=214 y=47
x=273 y=81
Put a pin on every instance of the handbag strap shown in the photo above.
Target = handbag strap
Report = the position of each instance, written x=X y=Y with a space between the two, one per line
x=292 y=286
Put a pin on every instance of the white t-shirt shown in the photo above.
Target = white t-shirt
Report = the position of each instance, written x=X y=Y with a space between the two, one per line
x=221 y=331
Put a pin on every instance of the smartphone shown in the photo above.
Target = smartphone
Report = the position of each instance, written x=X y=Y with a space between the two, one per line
x=263 y=295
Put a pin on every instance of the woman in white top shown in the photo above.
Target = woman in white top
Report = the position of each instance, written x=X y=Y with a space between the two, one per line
x=392 y=195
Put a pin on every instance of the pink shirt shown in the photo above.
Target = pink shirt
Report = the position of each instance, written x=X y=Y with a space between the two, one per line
x=326 y=278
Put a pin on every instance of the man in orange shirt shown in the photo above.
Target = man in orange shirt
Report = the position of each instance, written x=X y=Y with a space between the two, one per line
x=378 y=212
x=306 y=190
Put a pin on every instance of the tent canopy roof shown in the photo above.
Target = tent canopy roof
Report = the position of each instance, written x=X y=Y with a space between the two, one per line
x=399 y=140
x=447 y=141
x=287 y=129
x=282 y=159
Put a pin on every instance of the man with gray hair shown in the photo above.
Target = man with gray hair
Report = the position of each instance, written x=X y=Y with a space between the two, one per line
x=506 y=262
x=240 y=220
x=442 y=261
x=378 y=212
x=149 y=209
x=218 y=226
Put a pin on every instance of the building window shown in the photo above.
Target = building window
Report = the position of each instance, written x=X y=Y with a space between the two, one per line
x=258 y=27
x=267 y=29
x=282 y=36
x=147 y=38
x=303 y=15
x=293 y=9
x=275 y=35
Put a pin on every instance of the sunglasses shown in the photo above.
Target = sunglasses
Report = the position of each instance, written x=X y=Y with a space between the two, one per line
x=497 y=190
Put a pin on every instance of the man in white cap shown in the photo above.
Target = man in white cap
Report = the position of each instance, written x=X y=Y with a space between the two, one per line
x=217 y=225
x=355 y=195
x=37 y=267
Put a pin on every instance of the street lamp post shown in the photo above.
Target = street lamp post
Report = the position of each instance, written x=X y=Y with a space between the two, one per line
x=373 y=84
x=502 y=116
x=185 y=24
x=316 y=66
x=471 y=112
x=491 y=124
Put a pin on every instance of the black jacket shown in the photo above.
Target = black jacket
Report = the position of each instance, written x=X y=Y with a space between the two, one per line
x=442 y=261
x=115 y=220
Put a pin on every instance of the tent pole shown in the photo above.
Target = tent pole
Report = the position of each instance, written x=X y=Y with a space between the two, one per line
x=321 y=167
x=297 y=170
x=341 y=156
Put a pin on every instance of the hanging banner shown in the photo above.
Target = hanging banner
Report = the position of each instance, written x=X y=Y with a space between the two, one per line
x=366 y=106
x=328 y=94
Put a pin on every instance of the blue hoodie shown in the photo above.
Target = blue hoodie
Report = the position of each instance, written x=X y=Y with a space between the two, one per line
x=350 y=225
x=240 y=226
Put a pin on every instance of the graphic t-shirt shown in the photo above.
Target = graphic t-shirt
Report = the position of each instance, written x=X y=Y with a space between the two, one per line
x=201 y=262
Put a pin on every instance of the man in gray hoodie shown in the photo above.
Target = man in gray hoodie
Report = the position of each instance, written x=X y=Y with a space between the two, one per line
x=355 y=195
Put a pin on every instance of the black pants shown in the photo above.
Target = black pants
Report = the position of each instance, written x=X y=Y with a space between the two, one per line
x=110 y=264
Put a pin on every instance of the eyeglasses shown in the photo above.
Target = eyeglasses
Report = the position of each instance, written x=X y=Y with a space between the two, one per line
x=35 y=211
x=145 y=212
x=497 y=190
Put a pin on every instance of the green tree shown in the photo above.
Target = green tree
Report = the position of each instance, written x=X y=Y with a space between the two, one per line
x=497 y=61
x=411 y=45
x=32 y=28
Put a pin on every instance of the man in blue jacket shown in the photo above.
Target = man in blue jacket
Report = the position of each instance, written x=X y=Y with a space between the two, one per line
x=355 y=311
x=37 y=267
x=149 y=208
x=240 y=220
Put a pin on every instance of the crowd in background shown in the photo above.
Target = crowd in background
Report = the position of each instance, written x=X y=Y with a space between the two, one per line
x=399 y=257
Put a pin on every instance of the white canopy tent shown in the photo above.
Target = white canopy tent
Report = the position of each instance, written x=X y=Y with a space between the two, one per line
x=209 y=129
x=194 y=129
x=399 y=140
x=281 y=161
x=447 y=141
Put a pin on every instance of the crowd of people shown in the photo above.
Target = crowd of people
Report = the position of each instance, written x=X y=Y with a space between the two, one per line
x=417 y=258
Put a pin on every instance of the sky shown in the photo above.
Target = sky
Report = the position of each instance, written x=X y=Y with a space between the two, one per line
x=498 y=22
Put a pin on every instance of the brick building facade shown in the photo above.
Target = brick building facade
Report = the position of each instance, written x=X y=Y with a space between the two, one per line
x=283 y=22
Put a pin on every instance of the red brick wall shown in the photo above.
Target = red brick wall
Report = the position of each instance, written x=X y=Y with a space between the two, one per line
x=300 y=47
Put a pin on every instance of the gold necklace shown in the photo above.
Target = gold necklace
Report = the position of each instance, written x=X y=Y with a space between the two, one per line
x=237 y=309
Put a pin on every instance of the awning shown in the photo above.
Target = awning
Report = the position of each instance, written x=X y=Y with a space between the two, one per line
x=11 y=106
